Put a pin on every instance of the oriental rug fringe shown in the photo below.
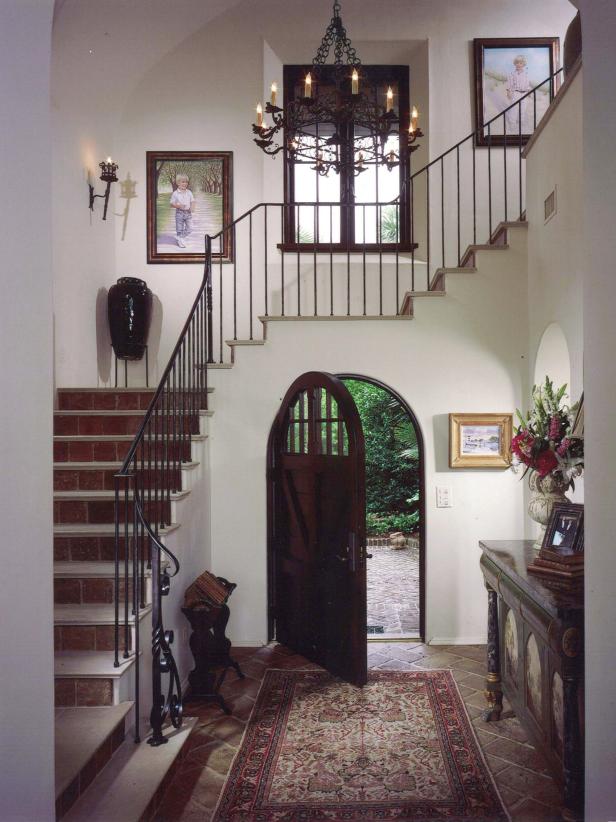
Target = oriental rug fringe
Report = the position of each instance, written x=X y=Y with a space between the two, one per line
x=401 y=748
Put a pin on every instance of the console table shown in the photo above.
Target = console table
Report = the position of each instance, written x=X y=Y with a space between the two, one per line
x=536 y=658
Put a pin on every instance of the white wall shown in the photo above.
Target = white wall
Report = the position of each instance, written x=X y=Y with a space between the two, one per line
x=599 y=118
x=463 y=352
x=556 y=257
x=136 y=98
x=26 y=644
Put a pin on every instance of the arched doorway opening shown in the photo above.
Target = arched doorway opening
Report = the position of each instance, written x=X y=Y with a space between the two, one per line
x=395 y=505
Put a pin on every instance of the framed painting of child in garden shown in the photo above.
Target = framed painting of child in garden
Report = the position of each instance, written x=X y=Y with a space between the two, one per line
x=188 y=196
x=506 y=72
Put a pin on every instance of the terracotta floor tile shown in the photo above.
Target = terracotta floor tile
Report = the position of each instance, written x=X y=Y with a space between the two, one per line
x=509 y=796
x=470 y=666
x=509 y=728
x=528 y=783
x=395 y=665
x=476 y=652
x=467 y=693
x=517 y=753
x=217 y=756
x=229 y=730
x=472 y=680
x=376 y=659
x=528 y=810
x=442 y=660
x=495 y=763
x=473 y=712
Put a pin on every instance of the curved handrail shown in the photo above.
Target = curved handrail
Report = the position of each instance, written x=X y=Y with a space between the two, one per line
x=154 y=538
x=124 y=470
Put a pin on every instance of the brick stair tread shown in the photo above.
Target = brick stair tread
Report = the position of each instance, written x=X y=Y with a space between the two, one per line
x=103 y=529
x=125 y=787
x=94 y=570
x=93 y=614
x=112 y=466
x=79 y=734
x=132 y=389
x=104 y=412
x=115 y=437
x=103 y=496
x=89 y=665
x=329 y=318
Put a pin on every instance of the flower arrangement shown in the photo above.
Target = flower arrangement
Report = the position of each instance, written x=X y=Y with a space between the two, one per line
x=543 y=440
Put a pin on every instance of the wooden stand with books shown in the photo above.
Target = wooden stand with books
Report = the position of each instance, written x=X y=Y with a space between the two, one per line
x=205 y=607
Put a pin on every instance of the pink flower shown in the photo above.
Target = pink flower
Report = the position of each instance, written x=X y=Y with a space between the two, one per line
x=545 y=462
x=554 y=429
x=563 y=447
x=521 y=446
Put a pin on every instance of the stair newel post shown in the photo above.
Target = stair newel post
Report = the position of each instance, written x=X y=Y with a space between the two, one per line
x=489 y=180
x=473 y=141
x=207 y=319
x=116 y=573
x=126 y=566
x=520 y=149
x=157 y=712
x=220 y=302
x=168 y=443
x=505 y=164
x=413 y=235
x=174 y=411
x=265 y=272
x=136 y=592
x=283 y=219
x=250 y=287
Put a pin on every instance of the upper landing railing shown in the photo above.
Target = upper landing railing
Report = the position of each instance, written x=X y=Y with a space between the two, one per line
x=332 y=259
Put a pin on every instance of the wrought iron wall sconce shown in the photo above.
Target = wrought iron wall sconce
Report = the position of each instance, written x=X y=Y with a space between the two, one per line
x=108 y=175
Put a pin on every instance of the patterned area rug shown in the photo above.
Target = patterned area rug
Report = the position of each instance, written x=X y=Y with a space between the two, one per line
x=401 y=748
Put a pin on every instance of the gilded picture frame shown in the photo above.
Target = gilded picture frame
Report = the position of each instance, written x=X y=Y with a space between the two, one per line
x=497 y=61
x=480 y=440
x=208 y=180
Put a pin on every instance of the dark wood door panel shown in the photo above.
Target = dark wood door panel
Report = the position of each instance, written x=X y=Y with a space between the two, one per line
x=317 y=526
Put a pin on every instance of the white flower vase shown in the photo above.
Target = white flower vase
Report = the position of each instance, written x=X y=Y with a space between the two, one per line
x=544 y=494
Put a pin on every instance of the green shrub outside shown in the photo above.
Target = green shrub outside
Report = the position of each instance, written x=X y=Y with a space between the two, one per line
x=392 y=460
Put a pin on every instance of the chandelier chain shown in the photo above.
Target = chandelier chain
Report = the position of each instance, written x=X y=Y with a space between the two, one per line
x=335 y=35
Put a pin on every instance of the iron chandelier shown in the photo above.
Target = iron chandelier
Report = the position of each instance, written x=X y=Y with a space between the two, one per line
x=311 y=127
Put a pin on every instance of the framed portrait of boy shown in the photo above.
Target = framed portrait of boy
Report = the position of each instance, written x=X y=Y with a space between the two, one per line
x=480 y=440
x=507 y=69
x=189 y=195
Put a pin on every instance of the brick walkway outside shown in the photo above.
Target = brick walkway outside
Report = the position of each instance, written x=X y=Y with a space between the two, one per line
x=527 y=790
x=393 y=592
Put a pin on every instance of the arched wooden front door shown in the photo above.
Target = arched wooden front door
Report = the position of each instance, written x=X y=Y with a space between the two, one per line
x=317 y=555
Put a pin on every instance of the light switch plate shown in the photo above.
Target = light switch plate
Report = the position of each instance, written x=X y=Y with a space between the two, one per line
x=443 y=497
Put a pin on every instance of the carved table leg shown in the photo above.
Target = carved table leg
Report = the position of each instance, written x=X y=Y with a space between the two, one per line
x=573 y=754
x=493 y=692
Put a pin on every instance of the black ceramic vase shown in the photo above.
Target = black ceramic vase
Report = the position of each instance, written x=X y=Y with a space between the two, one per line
x=129 y=309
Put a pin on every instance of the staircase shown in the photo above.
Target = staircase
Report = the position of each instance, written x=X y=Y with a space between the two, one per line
x=95 y=700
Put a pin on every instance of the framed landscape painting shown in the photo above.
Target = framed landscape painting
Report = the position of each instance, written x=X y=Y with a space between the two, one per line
x=480 y=440
x=506 y=70
x=188 y=196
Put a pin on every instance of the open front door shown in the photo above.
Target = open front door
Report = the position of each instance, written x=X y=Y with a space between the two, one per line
x=317 y=570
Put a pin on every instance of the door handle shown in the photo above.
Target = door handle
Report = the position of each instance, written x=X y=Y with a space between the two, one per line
x=368 y=556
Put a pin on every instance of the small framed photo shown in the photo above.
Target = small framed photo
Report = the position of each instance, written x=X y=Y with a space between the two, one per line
x=480 y=440
x=564 y=535
x=506 y=70
x=188 y=196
